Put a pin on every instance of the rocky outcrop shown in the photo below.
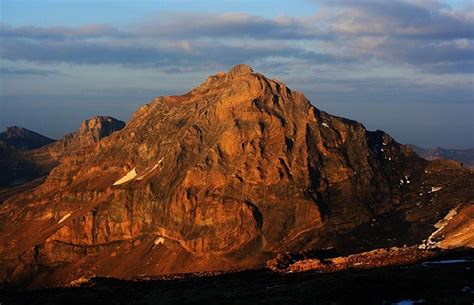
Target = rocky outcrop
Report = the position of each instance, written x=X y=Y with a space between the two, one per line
x=378 y=258
x=224 y=177
x=23 y=138
x=90 y=132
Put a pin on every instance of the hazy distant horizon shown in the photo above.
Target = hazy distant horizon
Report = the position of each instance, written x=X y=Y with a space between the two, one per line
x=47 y=122
x=405 y=67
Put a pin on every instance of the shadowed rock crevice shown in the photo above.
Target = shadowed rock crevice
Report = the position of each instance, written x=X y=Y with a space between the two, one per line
x=257 y=215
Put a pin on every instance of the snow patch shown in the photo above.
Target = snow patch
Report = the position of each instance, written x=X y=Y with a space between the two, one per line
x=159 y=241
x=405 y=181
x=468 y=289
x=64 y=218
x=384 y=144
x=274 y=286
x=440 y=225
x=325 y=125
x=129 y=176
x=79 y=282
x=152 y=169
x=409 y=302
x=445 y=262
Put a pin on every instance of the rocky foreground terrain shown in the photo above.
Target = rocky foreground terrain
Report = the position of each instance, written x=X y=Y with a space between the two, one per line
x=444 y=281
x=227 y=177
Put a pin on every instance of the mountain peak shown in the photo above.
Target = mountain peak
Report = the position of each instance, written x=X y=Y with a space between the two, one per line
x=224 y=177
x=24 y=138
x=14 y=129
x=241 y=82
x=17 y=131
x=240 y=69
x=94 y=129
x=100 y=126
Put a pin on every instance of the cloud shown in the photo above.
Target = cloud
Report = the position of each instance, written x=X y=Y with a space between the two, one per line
x=402 y=19
x=60 y=32
x=466 y=67
x=427 y=35
x=227 y=25
x=5 y=71
x=168 y=55
x=79 y=52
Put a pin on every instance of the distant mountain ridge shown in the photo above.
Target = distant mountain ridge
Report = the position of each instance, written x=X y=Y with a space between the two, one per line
x=466 y=156
x=23 y=138
x=26 y=155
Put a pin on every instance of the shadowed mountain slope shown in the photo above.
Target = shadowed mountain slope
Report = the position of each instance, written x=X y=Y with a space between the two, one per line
x=23 y=138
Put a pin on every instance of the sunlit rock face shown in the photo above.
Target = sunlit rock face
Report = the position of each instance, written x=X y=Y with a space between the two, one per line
x=91 y=131
x=223 y=177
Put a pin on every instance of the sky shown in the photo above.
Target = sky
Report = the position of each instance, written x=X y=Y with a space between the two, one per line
x=406 y=67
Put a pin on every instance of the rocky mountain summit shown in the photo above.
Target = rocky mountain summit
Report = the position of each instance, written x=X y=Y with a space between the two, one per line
x=225 y=177
x=23 y=138
x=90 y=132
